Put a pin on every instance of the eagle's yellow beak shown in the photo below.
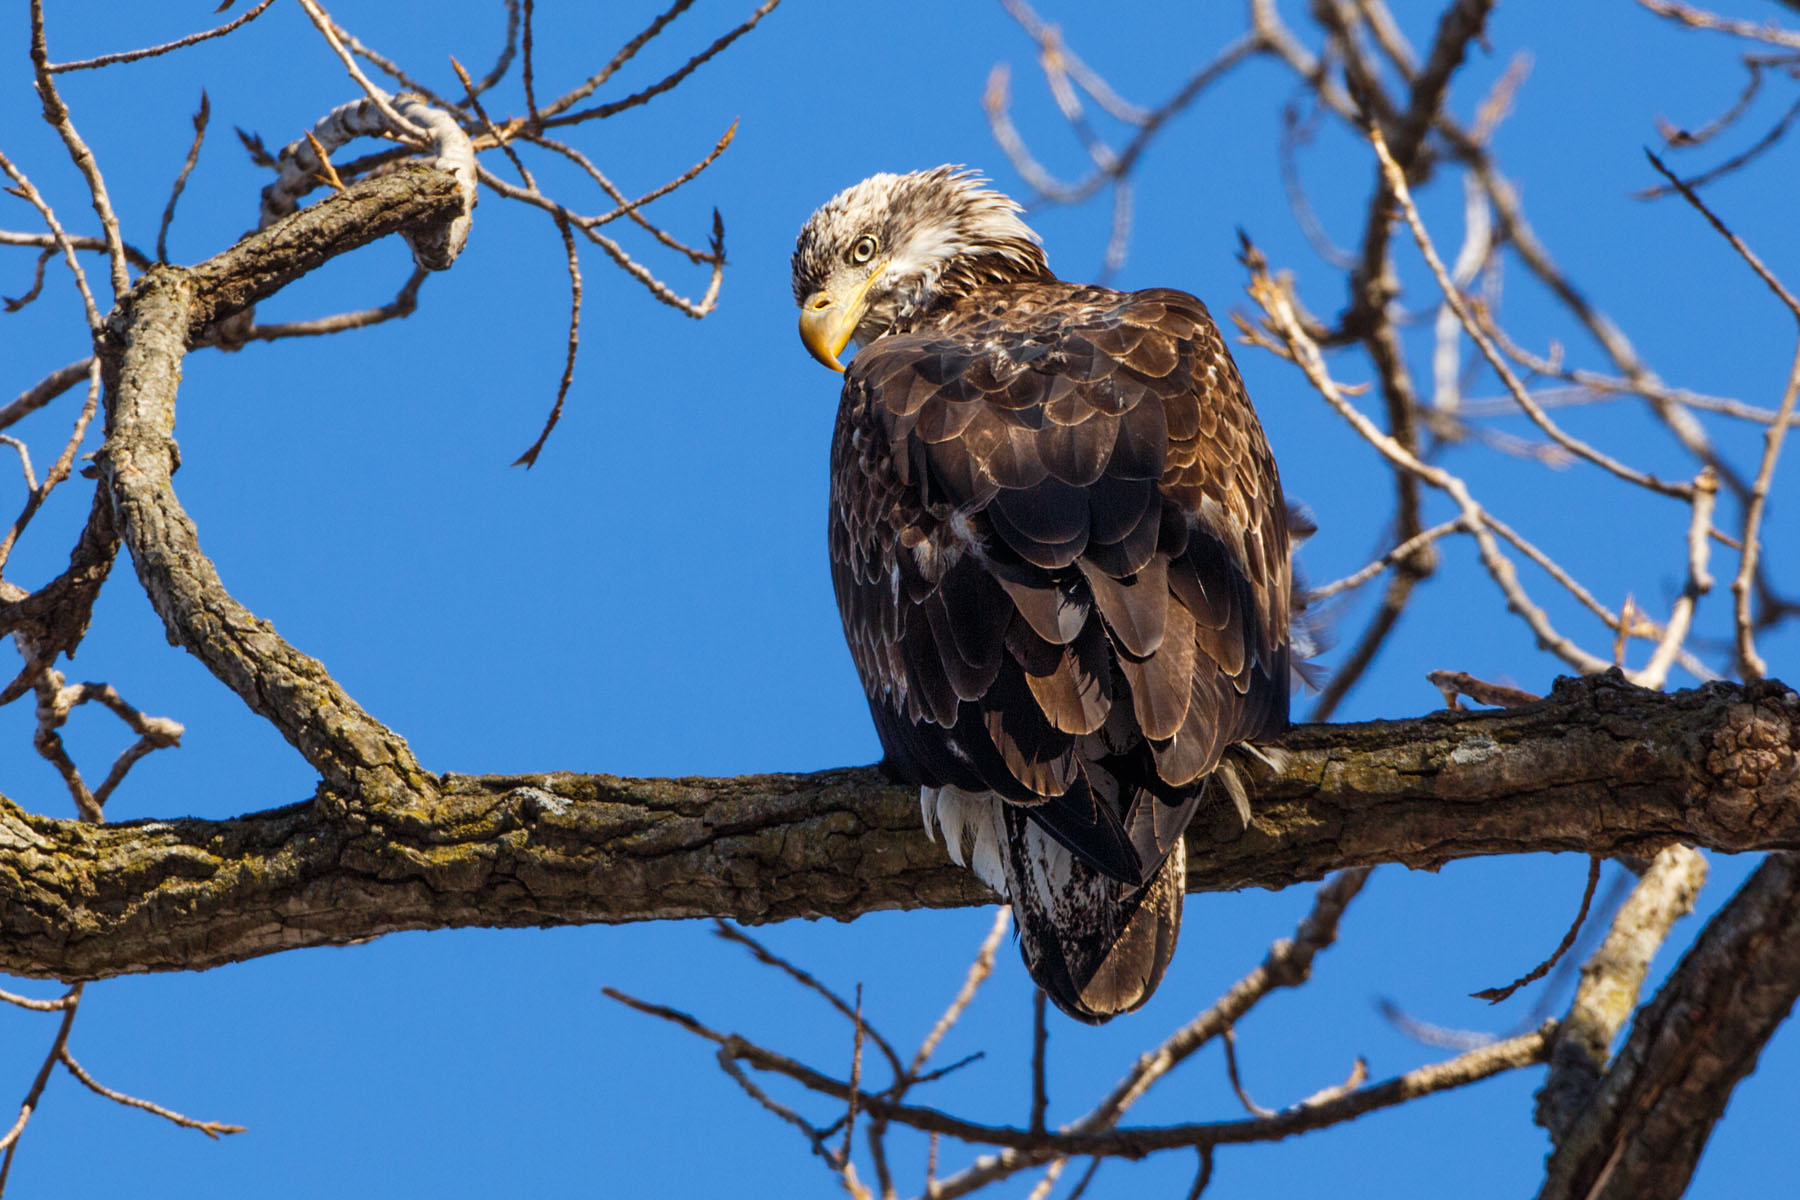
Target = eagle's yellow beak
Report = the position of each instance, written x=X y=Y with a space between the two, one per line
x=827 y=324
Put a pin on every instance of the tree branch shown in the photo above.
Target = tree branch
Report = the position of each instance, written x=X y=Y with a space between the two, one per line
x=168 y=312
x=1598 y=767
x=1688 y=1048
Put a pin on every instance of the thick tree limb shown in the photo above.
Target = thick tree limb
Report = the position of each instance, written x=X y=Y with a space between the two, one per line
x=168 y=311
x=1598 y=767
x=1688 y=1048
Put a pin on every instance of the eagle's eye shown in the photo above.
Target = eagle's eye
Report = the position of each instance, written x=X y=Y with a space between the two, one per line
x=864 y=249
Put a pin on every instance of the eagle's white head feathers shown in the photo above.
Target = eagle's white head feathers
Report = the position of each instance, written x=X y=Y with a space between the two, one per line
x=894 y=245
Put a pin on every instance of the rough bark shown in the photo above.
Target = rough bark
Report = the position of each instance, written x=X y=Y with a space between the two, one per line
x=1600 y=767
x=169 y=310
x=1688 y=1048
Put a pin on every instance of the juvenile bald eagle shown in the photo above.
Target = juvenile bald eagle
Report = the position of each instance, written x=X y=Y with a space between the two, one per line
x=1060 y=550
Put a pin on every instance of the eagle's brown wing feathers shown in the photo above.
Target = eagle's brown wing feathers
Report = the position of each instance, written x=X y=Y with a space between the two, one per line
x=1059 y=545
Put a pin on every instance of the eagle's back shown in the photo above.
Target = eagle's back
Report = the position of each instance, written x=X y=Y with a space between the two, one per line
x=1060 y=551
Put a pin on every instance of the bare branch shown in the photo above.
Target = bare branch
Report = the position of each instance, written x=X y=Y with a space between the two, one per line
x=1133 y=1142
x=107 y=60
x=625 y=54
x=9 y=1141
x=193 y=156
x=1287 y=964
x=1598 y=767
x=1396 y=180
x=573 y=259
x=1687 y=1049
x=977 y=975
x=60 y=239
x=1773 y=437
x=133 y=255
x=1496 y=995
x=57 y=114
x=667 y=82
x=402 y=305
x=1276 y=301
x=1695 y=18
x=1398 y=554
x=398 y=124
x=1610 y=982
x=767 y=957
x=211 y=1129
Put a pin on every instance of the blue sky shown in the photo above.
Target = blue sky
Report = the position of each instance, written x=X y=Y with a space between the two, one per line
x=652 y=598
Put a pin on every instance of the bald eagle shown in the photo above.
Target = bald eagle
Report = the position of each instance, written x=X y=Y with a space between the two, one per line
x=1061 y=554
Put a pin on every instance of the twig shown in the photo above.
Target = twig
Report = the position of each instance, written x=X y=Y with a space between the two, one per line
x=573 y=259
x=1736 y=162
x=59 y=470
x=57 y=114
x=1442 y=1037
x=1203 y=1176
x=24 y=453
x=629 y=208
x=326 y=174
x=327 y=28
x=1396 y=179
x=1695 y=18
x=622 y=56
x=1496 y=995
x=1510 y=1054
x=211 y=1129
x=1287 y=964
x=1398 y=554
x=696 y=309
x=193 y=156
x=57 y=699
x=507 y=49
x=107 y=60
x=1699 y=582
x=62 y=240
x=35 y=1005
x=15 y=303
x=388 y=66
x=12 y=237
x=668 y=81
x=1040 y=1037
x=1120 y=163
x=1741 y=587
x=1686 y=139
x=1237 y=1084
x=1611 y=980
x=527 y=69
x=9 y=1141
x=1049 y=40
x=402 y=305
x=1273 y=297
x=762 y=954
x=855 y=1051
x=977 y=974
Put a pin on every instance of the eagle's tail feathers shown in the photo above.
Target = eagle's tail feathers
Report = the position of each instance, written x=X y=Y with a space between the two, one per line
x=1097 y=946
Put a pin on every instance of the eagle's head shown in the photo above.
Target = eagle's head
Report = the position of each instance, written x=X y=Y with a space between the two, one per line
x=894 y=245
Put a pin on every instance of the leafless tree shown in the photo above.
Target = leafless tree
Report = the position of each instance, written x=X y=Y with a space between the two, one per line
x=1609 y=764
